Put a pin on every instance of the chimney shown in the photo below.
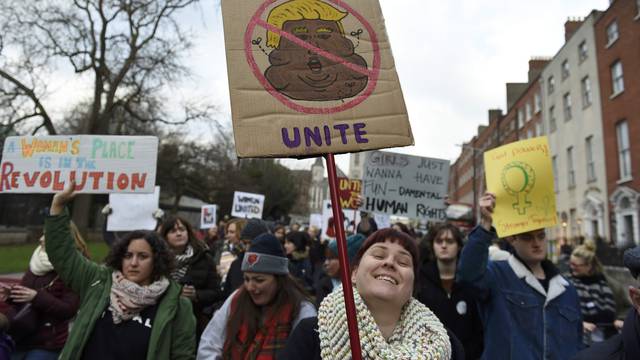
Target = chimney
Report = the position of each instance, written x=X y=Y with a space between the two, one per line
x=570 y=26
x=514 y=91
x=494 y=115
x=536 y=65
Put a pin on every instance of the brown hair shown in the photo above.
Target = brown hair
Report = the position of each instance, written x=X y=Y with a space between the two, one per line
x=394 y=236
x=289 y=292
x=436 y=232
x=171 y=222
x=81 y=245
x=240 y=223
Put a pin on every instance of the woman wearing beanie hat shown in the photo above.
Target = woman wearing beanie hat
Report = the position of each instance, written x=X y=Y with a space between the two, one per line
x=272 y=305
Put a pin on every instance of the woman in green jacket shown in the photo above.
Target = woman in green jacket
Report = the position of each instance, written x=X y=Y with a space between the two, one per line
x=129 y=307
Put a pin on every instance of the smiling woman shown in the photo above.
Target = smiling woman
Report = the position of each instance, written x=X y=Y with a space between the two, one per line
x=392 y=324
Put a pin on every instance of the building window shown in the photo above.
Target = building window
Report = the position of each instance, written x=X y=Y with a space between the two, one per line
x=520 y=118
x=537 y=101
x=530 y=134
x=527 y=111
x=551 y=85
x=539 y=128
x=624 y=150
x=587 y=98
x=571 y=174
x=565 y=69
x=566 y=106
x=617 y=77
x=554 y=163
x=552 y=119
x=356 y=159
x=591 y=167
x=582 y=50
x=612 y=33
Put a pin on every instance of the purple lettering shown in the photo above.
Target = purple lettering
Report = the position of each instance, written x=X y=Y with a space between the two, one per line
x=327 y=135
x=314 y=135
x=296 y=137
x=343 y=131
x=359 y=133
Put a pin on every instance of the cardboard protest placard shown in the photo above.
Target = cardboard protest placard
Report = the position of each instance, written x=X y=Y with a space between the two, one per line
x=247 y=205
x=208 y=216
x=520 y=174
x=348 y=191
x=311 y=77
x=133 y=211
x=404 y=185
x=351 y=220
x=98 y=163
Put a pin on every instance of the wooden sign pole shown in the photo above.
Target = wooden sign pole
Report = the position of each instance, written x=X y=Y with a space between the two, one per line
x=345 y=275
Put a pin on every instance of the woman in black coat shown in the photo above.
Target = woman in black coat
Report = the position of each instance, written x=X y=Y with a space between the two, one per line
x=451 y=301
x=195 y=269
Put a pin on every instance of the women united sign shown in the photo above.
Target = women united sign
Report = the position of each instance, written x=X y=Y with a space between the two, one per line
x=304 y=74
x=99 y=164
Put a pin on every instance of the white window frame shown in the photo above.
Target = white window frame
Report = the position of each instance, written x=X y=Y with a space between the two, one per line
x=613 y=33
x=565 y=70
x=583 y=50
x=587 y=95
x=571 y=173
x=527 y=111
x=617 y=78
x=520 y=118
x=537 y=101
x=566 y=106
x=551 y=84
x=624 y=150
x=591 y=166
x=539 y=128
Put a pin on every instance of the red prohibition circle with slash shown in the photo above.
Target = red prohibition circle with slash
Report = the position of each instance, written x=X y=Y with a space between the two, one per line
x=372 y=73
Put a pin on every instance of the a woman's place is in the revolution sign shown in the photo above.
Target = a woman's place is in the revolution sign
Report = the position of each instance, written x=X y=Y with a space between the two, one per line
x=97 y=163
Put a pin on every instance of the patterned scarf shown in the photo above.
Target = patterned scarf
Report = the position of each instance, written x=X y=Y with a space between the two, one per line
x=128 y=299
x=39 y=263
x=182 y=264
x=270 y=337
x=418 y=335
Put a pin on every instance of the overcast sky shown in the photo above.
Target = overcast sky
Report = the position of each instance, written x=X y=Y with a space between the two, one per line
x=453 y=59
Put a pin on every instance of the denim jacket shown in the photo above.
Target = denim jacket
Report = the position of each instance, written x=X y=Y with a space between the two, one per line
x=521 y=320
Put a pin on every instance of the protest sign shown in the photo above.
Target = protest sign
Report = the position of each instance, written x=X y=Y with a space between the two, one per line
x=247 y=205
x=382 y=220
x=98 y=163
x=208 y=216
x=348 y=191
x=315 y=220
x=520 y=174
x=303 y=76
x=351 y=220
x=405 y=185
x=133 y=211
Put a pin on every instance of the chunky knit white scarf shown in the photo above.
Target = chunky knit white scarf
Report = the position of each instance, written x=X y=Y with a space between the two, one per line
x=418 y=335
x=39 y=263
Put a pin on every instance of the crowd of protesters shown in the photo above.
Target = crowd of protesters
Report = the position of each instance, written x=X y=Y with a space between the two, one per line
x=248 y=290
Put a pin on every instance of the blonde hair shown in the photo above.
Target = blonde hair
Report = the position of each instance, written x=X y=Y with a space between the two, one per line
x=301 y=10
x=587 y=253
x=81 y=245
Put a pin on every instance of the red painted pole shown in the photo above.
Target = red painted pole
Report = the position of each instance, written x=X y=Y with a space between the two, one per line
x=352 y=322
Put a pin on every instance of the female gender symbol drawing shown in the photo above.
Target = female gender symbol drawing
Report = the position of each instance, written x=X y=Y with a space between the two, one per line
x=311 y=58
x=518 y=179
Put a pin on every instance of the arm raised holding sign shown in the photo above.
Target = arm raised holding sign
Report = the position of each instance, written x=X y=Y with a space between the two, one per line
x=131 y=290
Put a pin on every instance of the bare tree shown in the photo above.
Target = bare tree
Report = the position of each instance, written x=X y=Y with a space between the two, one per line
x=130 y=48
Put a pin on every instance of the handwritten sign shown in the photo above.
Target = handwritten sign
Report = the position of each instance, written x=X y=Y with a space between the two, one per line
x=521 y=176
x=348 y=191
x=208 y=216
x=247 y=205
x=98 y=163
x=405 y=185
x=351 y=219
x=302 y=76
x=133 y=211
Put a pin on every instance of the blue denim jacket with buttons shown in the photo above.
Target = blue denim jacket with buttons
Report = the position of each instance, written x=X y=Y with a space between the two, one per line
x=521 y=320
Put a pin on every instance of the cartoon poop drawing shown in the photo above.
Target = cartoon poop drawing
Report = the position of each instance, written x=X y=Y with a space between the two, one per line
x=303 y=74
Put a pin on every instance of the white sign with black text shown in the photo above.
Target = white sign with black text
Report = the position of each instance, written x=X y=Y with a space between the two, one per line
x=208 y=216
x=405 y=185
x=247 y=205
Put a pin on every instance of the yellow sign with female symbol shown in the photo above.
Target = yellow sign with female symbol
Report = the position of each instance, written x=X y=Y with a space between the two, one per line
x=521 y=176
